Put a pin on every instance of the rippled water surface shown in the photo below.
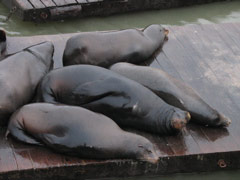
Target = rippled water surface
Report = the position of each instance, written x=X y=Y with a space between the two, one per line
x=210 y=13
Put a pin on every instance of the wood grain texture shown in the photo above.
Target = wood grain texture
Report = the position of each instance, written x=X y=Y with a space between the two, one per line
x=48 y=3
x=37 y=4
x=23 y=4
x=207 y=57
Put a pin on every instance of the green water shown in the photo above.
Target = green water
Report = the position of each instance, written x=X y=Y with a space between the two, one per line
x=224 y=175
x=210 y=13
x=223 y=12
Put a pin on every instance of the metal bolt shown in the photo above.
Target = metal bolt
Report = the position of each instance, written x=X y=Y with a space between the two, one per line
x=222 y=163
x=44 y=15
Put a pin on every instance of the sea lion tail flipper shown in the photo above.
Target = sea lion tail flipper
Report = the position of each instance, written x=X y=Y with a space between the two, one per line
x=224 y=121
x=20 y=135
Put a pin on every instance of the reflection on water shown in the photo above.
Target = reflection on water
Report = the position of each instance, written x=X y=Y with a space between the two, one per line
x=210 y=13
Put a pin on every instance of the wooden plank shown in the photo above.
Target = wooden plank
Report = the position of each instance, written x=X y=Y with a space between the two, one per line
x=66 y=11
x=189 y=70
x=48 y=3
x=60 y=2
x=203 y=51
x=203 y=59
x=225 y=70
x=190 y=47
x=189 y=55
x=37 y=4
x=74 y=161
x=64 y=2
x=71 y=1
x=92 y=1
x=202 y=140
x=21 y=153
x=232 y=36
x=24 y=4
x=82 y=1
x=183 y=144
x=39 y=157
x=228 y=107
x=7 y=159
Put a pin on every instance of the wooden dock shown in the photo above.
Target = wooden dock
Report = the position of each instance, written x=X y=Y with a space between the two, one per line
x=205 y=56
x=43 y=10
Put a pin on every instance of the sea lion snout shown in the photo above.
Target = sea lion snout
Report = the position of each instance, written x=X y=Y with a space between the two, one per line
x=224 y=121
x=180 y=119
x=148 y=154
x=152 y=158
x=166 y=32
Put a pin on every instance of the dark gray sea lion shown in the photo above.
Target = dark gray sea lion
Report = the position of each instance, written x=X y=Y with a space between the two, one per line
x=174 y=92
x=19 y=76
x=106 y=48
x=125 y=101
x=3 y=42
x=77 y=131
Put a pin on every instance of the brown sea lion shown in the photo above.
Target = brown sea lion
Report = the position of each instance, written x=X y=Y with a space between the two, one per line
x=174 y=92
x=77 y=131
x=125 y=101
x=106 y=48
x=19 y=76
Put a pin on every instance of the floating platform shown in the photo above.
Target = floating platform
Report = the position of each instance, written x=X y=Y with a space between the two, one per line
x=205 y=56
x=43 y=10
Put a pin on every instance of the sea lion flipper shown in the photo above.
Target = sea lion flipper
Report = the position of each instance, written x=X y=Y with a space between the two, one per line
x=97 y=88
x=21 y=135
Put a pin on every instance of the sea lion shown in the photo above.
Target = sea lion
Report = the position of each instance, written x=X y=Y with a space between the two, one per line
x=20 y=74
x=125 y=101
x=77 y=131
x=106 y=48
x=3 y=42
x=174 y=92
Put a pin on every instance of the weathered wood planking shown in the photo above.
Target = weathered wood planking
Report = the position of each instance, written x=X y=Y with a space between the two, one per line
x=42 y=10
x=205 y=56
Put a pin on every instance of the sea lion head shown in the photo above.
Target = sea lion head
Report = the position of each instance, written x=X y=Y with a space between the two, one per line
x=156 y=33
x=146 y=151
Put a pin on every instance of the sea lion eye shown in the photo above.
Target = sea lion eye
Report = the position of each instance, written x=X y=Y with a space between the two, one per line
x=141 y=146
